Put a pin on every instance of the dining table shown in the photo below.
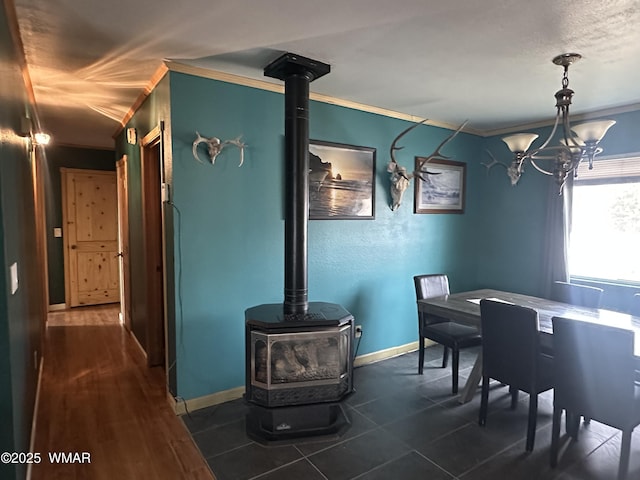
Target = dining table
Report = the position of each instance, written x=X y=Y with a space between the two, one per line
x=464 y=308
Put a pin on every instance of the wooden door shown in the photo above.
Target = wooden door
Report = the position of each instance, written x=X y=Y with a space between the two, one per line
x=123 y=243
x=153 y=246
x=90 y=212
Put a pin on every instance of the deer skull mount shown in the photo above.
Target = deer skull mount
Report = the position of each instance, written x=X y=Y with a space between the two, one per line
x=514 y=170
x=399 y=178
x=215 y=146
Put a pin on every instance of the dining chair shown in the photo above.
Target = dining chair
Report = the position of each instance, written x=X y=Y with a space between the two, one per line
x=451 y=335
x=511 y=355
x=635 y=305
x=575 y=294
x=595 y=377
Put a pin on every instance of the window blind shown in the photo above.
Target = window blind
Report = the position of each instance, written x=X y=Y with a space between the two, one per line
x=610 y=168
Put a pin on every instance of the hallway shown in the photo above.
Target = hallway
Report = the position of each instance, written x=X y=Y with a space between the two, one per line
x=98 y=396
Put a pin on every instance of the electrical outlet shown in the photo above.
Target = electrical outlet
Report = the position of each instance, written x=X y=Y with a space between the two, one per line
x=358 y=331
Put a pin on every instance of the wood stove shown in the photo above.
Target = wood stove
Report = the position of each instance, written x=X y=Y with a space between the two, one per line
x=299 y=354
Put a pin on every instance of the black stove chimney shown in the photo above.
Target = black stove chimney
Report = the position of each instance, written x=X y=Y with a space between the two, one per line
x=289 y=395
x=297 y=72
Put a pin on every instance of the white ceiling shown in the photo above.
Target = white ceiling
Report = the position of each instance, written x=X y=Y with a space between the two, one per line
x=489 y=61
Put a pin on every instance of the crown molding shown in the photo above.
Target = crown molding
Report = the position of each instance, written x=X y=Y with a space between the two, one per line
x=173 y=66
x=318 y=97
x=14 y=28
x=153 y=82
x=574 y=118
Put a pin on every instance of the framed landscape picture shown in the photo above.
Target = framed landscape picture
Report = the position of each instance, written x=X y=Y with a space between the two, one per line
x=341 y=181
x=442 y=192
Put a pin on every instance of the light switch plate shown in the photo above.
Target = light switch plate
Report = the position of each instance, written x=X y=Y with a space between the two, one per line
x=57 y=232
x=14 y=278
x=165 y=193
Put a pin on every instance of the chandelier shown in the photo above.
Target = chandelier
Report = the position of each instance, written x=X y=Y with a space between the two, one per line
x=577 y=143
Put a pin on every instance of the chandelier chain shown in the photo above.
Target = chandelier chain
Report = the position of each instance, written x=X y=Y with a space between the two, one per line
x=565 y=77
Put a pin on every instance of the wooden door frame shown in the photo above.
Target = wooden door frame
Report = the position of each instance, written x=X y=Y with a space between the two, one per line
x=123 y=241
x=38 y=176
x=152 y=172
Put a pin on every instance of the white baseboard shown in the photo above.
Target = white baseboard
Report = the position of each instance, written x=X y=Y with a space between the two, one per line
x=57 y=306
x=180 y=406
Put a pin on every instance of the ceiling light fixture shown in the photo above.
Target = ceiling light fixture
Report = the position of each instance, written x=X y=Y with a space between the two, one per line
x=574 y=147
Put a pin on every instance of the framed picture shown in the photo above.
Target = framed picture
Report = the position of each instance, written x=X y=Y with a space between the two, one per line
x=341 y=181
x=442 y=192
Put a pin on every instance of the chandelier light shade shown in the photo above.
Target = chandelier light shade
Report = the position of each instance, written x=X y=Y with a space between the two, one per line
x=519 y=142
x=576 y=143
x=592 y=131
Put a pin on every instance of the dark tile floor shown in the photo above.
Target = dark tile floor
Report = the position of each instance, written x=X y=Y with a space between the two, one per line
x=408 y=426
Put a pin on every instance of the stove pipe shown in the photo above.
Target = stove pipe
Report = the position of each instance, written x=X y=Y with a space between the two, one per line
x=296 y=72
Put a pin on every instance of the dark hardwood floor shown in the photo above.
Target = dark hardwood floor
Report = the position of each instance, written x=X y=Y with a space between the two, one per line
x=98 y=396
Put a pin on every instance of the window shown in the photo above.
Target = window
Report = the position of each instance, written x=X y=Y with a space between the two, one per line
x=605 y=224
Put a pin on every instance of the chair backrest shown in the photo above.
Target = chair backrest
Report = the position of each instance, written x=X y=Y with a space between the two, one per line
x=433 y=285
x=583 y=295
x=428 y=286
x=510 y=343
x=594 y=368
x=635 y=305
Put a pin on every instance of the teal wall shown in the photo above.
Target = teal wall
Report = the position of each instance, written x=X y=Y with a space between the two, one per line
x=513 y=224
x=232 y=228
x=69 y=157
x=21 y=314
x=227 y=242
x=513 y=218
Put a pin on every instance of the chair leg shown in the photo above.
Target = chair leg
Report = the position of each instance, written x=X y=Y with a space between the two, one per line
x=455 y=360
x=624 y=454
x=533 y=419
x=555 y=435
x=514 y=397
x=421 y=356
x=573 y=424
x=484 y=401
x=445 y=357
x=569 y=423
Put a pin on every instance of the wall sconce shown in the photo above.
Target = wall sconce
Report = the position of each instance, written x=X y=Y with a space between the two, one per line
x=41 y=138
x=36 y=138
